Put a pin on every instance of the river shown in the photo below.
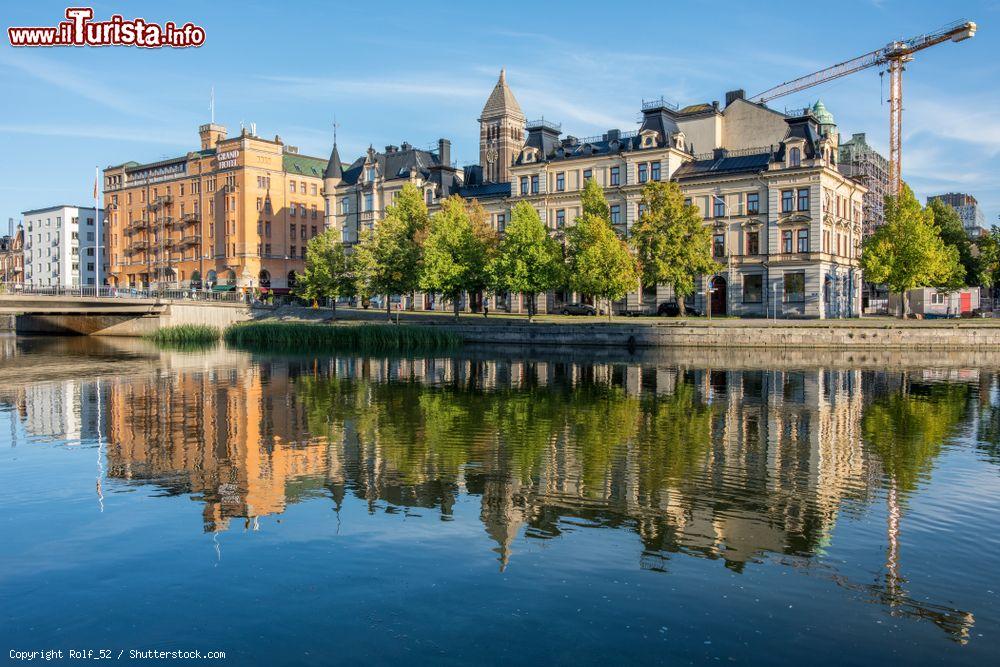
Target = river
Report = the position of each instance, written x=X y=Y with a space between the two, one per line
x=498 y=506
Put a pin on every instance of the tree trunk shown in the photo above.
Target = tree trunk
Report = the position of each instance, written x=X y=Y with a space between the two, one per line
x=904 y=303
x=333 y=306
x=388 y=308
x=609 y=309
x=454 y=304
x=531 y=307
x=681 y=310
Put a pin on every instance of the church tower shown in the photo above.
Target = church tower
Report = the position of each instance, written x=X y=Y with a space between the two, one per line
x=501 y=133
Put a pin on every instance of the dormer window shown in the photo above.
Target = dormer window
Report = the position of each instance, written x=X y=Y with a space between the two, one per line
x=794 y=157
x=371 y=173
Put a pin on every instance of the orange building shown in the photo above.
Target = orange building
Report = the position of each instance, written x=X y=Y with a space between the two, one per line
x=236 y=213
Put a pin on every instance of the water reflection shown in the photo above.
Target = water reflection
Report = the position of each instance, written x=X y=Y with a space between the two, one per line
x=730 y=465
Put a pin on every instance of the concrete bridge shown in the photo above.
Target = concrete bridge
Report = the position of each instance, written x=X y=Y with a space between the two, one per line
x=108 y=312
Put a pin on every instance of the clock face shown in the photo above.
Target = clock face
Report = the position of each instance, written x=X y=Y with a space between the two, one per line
x=491 y=155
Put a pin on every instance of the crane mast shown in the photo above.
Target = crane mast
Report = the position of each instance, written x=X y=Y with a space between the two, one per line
x=894 y=55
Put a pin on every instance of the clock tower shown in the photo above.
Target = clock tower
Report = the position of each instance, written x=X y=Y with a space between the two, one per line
x=501 y=133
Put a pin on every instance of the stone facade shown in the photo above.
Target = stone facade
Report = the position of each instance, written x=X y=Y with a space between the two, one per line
x=787 y=224
x=12 y=257
x=237 y=213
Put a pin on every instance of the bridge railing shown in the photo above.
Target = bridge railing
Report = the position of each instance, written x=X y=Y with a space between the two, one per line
x=108 y=292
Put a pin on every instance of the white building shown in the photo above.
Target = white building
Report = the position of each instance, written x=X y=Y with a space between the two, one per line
x=60 y=246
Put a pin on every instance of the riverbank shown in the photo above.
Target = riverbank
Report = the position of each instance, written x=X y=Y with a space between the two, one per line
x=560 y=330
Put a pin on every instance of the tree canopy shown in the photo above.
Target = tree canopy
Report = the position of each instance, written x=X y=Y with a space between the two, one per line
x=599 y=263
x=529 y=260
x=387 y=259
x=457 y=250
x=671 y=241
x=952 y=232
x=908 y=252
x=328 y=273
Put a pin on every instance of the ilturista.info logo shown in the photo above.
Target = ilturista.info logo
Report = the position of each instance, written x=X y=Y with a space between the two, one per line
x=79 y=29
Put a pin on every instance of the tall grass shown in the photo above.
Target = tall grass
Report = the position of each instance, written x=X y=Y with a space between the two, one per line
x=302 y=337
x=186 y=335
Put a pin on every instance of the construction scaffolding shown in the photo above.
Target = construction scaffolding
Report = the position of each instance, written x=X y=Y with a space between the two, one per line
x=859 y=161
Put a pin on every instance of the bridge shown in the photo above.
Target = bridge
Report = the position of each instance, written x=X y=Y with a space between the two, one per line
x=109 y=311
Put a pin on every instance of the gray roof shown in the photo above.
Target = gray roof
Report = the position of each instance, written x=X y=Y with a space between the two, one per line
x=334 y=169
x=396 y=165
x=501 y=101
x=723 y=164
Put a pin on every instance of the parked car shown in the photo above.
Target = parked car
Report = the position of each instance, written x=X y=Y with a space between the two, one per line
x=578 y=309
x=671 y=309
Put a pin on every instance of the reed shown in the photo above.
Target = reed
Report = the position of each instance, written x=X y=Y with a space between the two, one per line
x=303 y=337
x=186 y=335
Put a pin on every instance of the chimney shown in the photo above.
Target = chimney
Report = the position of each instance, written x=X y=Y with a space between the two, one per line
x=444 y=152
x=614 y=135
x=733 y=95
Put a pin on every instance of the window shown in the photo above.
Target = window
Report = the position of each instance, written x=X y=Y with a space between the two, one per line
x=615 y=175
x=753 y=288
x=803 y=199
x=654 y=168
x=369 y=202
x=312 y=189
x=561 y=218
x=303 y=254
x=719 y=245
x=588 y=174
x=524 y=185
x=794 y=157
x=291 y=230
x=292 y=208
x=787 y=201
x=937 y=299
x=312 y=231
x=753 y=243
x=560 y=182
x=302 y=234
x=291 y=186
x=371 y=173
x=643 y=172
x=803 y=240
x=534 y=184
x=753 y=203
x=786 y=241
x=616 y=214
x=795 y=287
x=718 y=206
x=345 y=205
x=501 y=222
x=291 y=252
x=687 y=201
x=267 y=249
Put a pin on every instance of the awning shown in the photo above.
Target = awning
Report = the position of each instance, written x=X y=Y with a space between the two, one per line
x=224 y=288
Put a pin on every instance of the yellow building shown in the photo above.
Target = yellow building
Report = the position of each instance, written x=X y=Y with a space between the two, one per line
x=237 y=213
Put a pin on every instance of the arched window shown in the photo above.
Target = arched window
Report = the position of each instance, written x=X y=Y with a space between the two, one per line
x=264 y=278
x=794 y=157
x=291 y=279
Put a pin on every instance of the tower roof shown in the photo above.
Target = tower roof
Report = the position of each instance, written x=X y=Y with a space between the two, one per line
x=823 y=116
x=334 y=169
x=501 y=101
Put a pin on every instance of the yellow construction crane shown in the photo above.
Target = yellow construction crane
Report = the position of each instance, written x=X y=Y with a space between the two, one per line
x=894 y=55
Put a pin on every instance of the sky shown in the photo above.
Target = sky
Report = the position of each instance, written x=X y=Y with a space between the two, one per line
x=390 y=72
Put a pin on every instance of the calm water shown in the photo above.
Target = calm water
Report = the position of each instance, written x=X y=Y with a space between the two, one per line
x=500 y=507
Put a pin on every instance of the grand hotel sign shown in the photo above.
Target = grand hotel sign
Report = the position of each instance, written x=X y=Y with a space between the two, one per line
x=227 y=159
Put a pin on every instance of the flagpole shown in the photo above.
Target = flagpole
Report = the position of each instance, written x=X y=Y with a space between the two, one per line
x=98 y=236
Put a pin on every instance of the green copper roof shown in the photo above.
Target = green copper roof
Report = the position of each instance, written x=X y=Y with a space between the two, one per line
x=822 y=114
x=294 y=163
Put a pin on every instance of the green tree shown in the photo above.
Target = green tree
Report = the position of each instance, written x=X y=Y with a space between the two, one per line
x=952 y=232
x=328 y=273
x=387 y=260
x=907 y=251
x=988 y=259
x=457 y=250
x=671 y=241
x=598 y=261
x=529 y=260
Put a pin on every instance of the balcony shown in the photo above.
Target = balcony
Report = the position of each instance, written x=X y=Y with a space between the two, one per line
x=189 y=218
x=162 y=200
x=136 y=246
x=189 y=240
x=169 y=222
x=136 y=226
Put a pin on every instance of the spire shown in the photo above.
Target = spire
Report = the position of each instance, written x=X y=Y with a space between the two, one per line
x=501 y=101
x=334 y=169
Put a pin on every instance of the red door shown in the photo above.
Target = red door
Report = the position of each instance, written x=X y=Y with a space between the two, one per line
x=965 y=300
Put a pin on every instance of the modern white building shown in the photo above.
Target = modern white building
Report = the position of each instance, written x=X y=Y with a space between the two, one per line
x=60 y=246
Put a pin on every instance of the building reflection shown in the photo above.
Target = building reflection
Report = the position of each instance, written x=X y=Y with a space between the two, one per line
x=728 y=465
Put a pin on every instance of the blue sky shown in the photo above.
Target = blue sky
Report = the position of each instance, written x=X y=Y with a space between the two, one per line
x=392 y=72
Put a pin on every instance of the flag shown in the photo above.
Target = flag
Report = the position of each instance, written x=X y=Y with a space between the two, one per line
x=95 y=187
